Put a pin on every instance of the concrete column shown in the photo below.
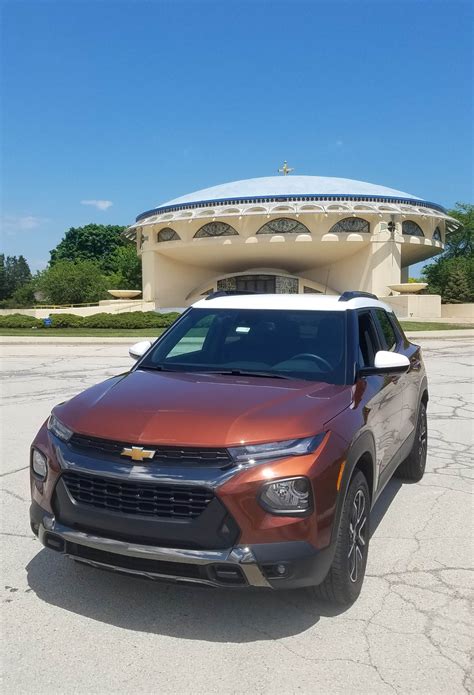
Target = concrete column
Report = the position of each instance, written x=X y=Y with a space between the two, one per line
x=150 y=275
x=168 y=282
x=385 y=264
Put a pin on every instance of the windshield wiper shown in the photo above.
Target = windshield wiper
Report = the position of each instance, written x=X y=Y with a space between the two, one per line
x=158 y=368
x=243 y=372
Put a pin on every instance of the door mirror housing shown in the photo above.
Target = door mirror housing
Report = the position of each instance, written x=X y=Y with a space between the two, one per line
x=387 y=363
x=139 y=349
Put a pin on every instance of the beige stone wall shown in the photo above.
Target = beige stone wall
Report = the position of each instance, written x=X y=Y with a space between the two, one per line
x=413 y=306
x=114 y=307
x=457 y=311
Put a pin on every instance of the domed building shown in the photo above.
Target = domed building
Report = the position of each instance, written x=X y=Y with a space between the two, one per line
x=288 y=234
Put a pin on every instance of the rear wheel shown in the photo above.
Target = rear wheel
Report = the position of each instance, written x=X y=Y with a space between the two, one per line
x=413 y=467
x=344 y=580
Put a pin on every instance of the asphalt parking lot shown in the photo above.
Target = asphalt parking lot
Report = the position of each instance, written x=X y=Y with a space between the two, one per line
x=67 y=628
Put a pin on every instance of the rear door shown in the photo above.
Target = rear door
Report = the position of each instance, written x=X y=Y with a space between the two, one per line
x=384 y=406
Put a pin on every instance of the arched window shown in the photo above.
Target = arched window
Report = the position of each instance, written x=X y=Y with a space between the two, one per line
x=350 y=224
x=437 y=234
x=168 y=234
x=412 y=228
x=215 y=229
x=283 y=225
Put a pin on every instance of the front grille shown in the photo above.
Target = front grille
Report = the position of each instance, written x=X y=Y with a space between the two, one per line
x=136 y=497
x=203 y=456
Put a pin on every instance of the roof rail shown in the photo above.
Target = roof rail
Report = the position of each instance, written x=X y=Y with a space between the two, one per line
x=227 y=293
x=354 y=294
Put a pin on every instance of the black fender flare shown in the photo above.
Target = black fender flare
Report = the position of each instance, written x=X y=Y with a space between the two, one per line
x=362 y=446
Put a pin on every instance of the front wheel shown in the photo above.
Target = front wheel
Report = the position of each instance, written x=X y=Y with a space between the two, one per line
x=344 y=580
x=413 y=467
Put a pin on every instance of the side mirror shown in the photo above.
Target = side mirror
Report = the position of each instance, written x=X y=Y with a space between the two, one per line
x=387 y=363
x=139 y=349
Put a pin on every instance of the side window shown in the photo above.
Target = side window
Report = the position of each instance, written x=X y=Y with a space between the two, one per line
x=387 y=329
x=368 y=343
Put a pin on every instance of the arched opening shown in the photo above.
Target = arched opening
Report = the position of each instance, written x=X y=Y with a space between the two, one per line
x=283 y=225
x=215 y=229
x=350 y=224
x=437 y=234
x=167 y=234
x=411 y=228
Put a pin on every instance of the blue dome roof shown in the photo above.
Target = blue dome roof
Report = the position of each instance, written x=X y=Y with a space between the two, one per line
x=275 y=186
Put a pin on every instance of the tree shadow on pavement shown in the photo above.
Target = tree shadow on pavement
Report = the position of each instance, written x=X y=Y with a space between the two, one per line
x=179 y=610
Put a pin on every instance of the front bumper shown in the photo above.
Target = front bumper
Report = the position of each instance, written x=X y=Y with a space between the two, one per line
x=258 y=565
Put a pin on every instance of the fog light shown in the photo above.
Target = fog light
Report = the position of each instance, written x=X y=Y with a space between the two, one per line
x=39 y=464
x=289 y=496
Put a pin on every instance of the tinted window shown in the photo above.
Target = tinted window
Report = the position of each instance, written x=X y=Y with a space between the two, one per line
x=298 y=344
x=368 y=343
x=387 y=329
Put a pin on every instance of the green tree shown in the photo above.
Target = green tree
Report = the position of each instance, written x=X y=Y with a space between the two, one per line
x=452 y=274
x=69 y=282
x=95 y=242
x=461 y=242
x=457 y=288
x=127 y=266
x=3 y=278
x=14 y=273
x=24 y=295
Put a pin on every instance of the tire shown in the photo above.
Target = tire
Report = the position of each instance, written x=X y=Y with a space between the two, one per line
x=413 y=467
x=344 y=580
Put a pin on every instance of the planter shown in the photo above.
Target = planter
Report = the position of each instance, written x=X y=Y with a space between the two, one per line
x=125 y=294
x=409 y=287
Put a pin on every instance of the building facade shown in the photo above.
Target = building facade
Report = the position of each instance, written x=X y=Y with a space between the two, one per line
x=285 y=234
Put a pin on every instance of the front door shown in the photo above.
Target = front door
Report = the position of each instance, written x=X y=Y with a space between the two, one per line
x=384 y=405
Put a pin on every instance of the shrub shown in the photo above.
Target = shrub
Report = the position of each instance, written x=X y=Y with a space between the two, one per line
x=20 y=321
x=66 y=320
x=130 y=320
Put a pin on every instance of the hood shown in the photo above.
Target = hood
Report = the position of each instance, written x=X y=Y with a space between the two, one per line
x=189 y=409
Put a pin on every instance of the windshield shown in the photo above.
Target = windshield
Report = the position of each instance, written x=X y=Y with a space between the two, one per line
x=298 y=344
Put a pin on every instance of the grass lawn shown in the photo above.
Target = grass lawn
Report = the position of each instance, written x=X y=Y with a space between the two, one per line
x=151 y=332
x=433 y=326
x=83 y=332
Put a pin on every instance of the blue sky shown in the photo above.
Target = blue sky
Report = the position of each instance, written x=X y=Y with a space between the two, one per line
x=133 y=103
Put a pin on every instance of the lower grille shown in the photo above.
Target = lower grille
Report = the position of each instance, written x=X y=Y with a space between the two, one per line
x=230 y=575
x=136 y=497
x=172 y=569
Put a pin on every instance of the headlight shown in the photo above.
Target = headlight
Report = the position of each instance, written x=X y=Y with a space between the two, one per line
x=288 y=496
x=39 y=464
x=256 y=453
x=56 y=427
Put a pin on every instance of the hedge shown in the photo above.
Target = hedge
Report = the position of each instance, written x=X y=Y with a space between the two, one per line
x=20 y=321
x=130 y=320
x=66 y=321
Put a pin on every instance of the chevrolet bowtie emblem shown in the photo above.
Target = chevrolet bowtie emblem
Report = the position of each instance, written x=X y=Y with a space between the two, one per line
x=137 y=453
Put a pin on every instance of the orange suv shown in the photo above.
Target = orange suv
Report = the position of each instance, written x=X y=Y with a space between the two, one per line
x=246 y=446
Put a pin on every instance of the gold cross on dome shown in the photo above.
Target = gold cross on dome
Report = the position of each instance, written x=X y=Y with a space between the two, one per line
x=285 y=169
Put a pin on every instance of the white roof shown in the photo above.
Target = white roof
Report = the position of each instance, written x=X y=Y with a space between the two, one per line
x=269 y=186
x=289 y=302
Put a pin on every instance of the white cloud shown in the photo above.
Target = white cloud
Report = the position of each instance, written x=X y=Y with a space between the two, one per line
x=99 y=204
x=20 y=223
